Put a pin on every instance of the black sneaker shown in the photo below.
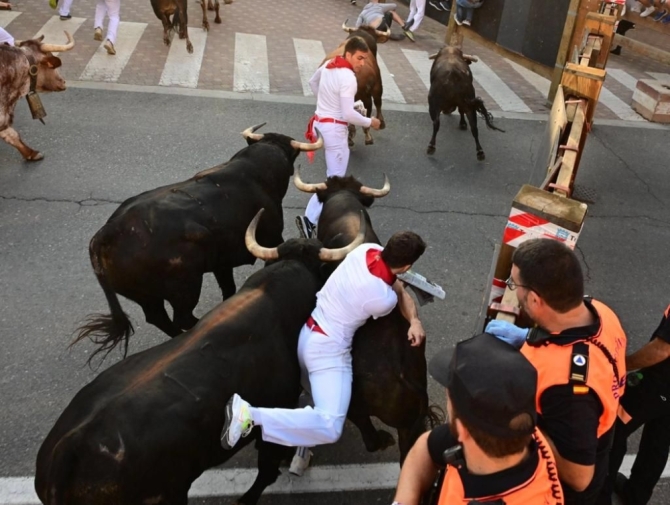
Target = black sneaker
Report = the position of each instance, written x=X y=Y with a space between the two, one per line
x=306 y=228
x=65 y=18
x=435 y=5
x=353 y=2
x=446 y=5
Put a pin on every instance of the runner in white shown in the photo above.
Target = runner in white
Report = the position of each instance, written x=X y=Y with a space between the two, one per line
x=364 y=285
x=111 y=8
x=64 y=10
x=334 y=85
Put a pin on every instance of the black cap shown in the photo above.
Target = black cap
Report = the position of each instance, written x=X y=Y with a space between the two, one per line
x=489 y=383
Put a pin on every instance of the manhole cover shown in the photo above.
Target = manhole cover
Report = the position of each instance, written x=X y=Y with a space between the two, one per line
x=584 y=194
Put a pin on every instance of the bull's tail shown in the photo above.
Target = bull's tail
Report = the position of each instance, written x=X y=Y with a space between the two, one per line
x=479 y=106
x=105 y=330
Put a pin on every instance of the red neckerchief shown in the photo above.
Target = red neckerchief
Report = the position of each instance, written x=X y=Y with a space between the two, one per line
x=378 y=268
x=339 y=62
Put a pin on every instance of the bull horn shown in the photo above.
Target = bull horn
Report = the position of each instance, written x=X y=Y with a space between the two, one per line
x=303 y=186
x=346 y=28
x=433 y=56
x=307 y=146
x=386 y=34
x=339 y=254
x=263 y=253
x=249 y=132
x=470 y=57
x=378 y=193
x=58 y=48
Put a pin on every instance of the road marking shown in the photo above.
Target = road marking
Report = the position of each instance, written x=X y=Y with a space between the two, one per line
x=181 y=68
x=392 y=92
x=7 y=17
x=540 y=83
x=506 y=99
x=251 y=63
x=420 y=63
x=618 y=106
x=53 y=30
x=623 y=77
x=310 y=54
x=108 y=68
x=236 y=481
x=660 y=76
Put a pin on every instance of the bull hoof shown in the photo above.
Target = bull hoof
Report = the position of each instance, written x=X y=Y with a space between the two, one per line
x=205 y=26
x=481 y=156
x=227 y=2
x=350 y=142
x=189 y=48
x=430 y=150
x=217 y=20
x=35 y=156
x=369 y=142
x=463 y=126
x=382 y=125
x=166 y=41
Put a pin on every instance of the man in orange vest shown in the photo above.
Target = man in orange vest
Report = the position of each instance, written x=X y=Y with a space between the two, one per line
x=578 y=348
x=646 y=402
x=491 y=449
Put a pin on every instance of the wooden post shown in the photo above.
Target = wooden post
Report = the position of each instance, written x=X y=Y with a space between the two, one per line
x=564 y=48
x=585 y=82
x=454 y=36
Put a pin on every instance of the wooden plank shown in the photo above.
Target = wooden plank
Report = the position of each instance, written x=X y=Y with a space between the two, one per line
x=585 y=57
x=551 y=173
x=584 y=82
x=563 y=212
x=643 y=49
x=564 y=47
x=509 y=299
x=570 y=155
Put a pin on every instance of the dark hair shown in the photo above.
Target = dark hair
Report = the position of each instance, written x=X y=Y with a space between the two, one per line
x=497 y=447
x=552 y=270
x=403 y=248
x=355 y=44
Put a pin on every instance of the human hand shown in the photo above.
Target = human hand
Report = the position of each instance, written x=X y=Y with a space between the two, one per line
x=507 y=332
x=416 y=334
x=375 y=123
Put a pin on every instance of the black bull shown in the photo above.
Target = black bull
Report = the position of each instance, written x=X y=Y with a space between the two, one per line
x=383 y=359
x=148 y=426
x=157 y=245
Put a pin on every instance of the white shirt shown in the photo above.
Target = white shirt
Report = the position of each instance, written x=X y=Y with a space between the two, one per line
x=351 y=295
x=335 y=90
x=5 y=37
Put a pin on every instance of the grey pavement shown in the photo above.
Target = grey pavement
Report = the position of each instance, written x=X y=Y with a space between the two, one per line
x=102 y=147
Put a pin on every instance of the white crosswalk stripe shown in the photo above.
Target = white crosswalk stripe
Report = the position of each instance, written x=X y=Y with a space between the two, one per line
x=53 y=30
x=107 y=68
x=623 y=77
x=506 y=99
x=310 y=54
x=420 y=63
x=392 y=92
x=252 y=72
x=182 y=68
x=542 y=84
x=7 y=17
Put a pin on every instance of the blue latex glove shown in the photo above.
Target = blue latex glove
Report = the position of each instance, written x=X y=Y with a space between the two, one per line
x=507 y=332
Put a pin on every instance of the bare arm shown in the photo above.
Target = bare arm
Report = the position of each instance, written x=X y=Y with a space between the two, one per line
x=578 y=477
x=416 y=333
x=649 y=354
x=417 y=474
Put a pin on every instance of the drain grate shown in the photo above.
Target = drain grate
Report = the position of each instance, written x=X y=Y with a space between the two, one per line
x=584 y=194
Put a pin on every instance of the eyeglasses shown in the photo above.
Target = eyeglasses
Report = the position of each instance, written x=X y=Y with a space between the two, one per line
x=513 y=285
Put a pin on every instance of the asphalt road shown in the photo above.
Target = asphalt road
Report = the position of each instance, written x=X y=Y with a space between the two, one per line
x=102 y=147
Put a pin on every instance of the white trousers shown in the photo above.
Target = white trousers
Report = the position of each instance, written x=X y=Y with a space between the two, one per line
x=64 y=9
x=417 y=9
x=336 y=148
x=5 y=37
x=113 y=9
x=329 y=369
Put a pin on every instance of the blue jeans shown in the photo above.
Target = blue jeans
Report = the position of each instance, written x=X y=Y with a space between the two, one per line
x=465 y=9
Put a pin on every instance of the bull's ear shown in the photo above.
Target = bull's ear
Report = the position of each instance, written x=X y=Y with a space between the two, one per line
x=52 y=61
x=40 y=38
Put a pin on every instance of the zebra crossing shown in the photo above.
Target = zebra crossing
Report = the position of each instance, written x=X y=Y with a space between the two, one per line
x=252 y=69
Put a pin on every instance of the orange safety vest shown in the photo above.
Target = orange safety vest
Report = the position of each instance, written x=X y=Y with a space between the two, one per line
x=542 y=488
x=587 y=364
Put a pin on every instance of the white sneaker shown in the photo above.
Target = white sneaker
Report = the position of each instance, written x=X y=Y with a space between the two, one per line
x=300 y=461
x=306 y=228
x=466 y=22
x=238 y=422
x=648 y=11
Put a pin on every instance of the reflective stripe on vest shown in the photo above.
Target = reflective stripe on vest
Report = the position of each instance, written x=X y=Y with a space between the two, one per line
x=554 y=362
x=542 y=488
